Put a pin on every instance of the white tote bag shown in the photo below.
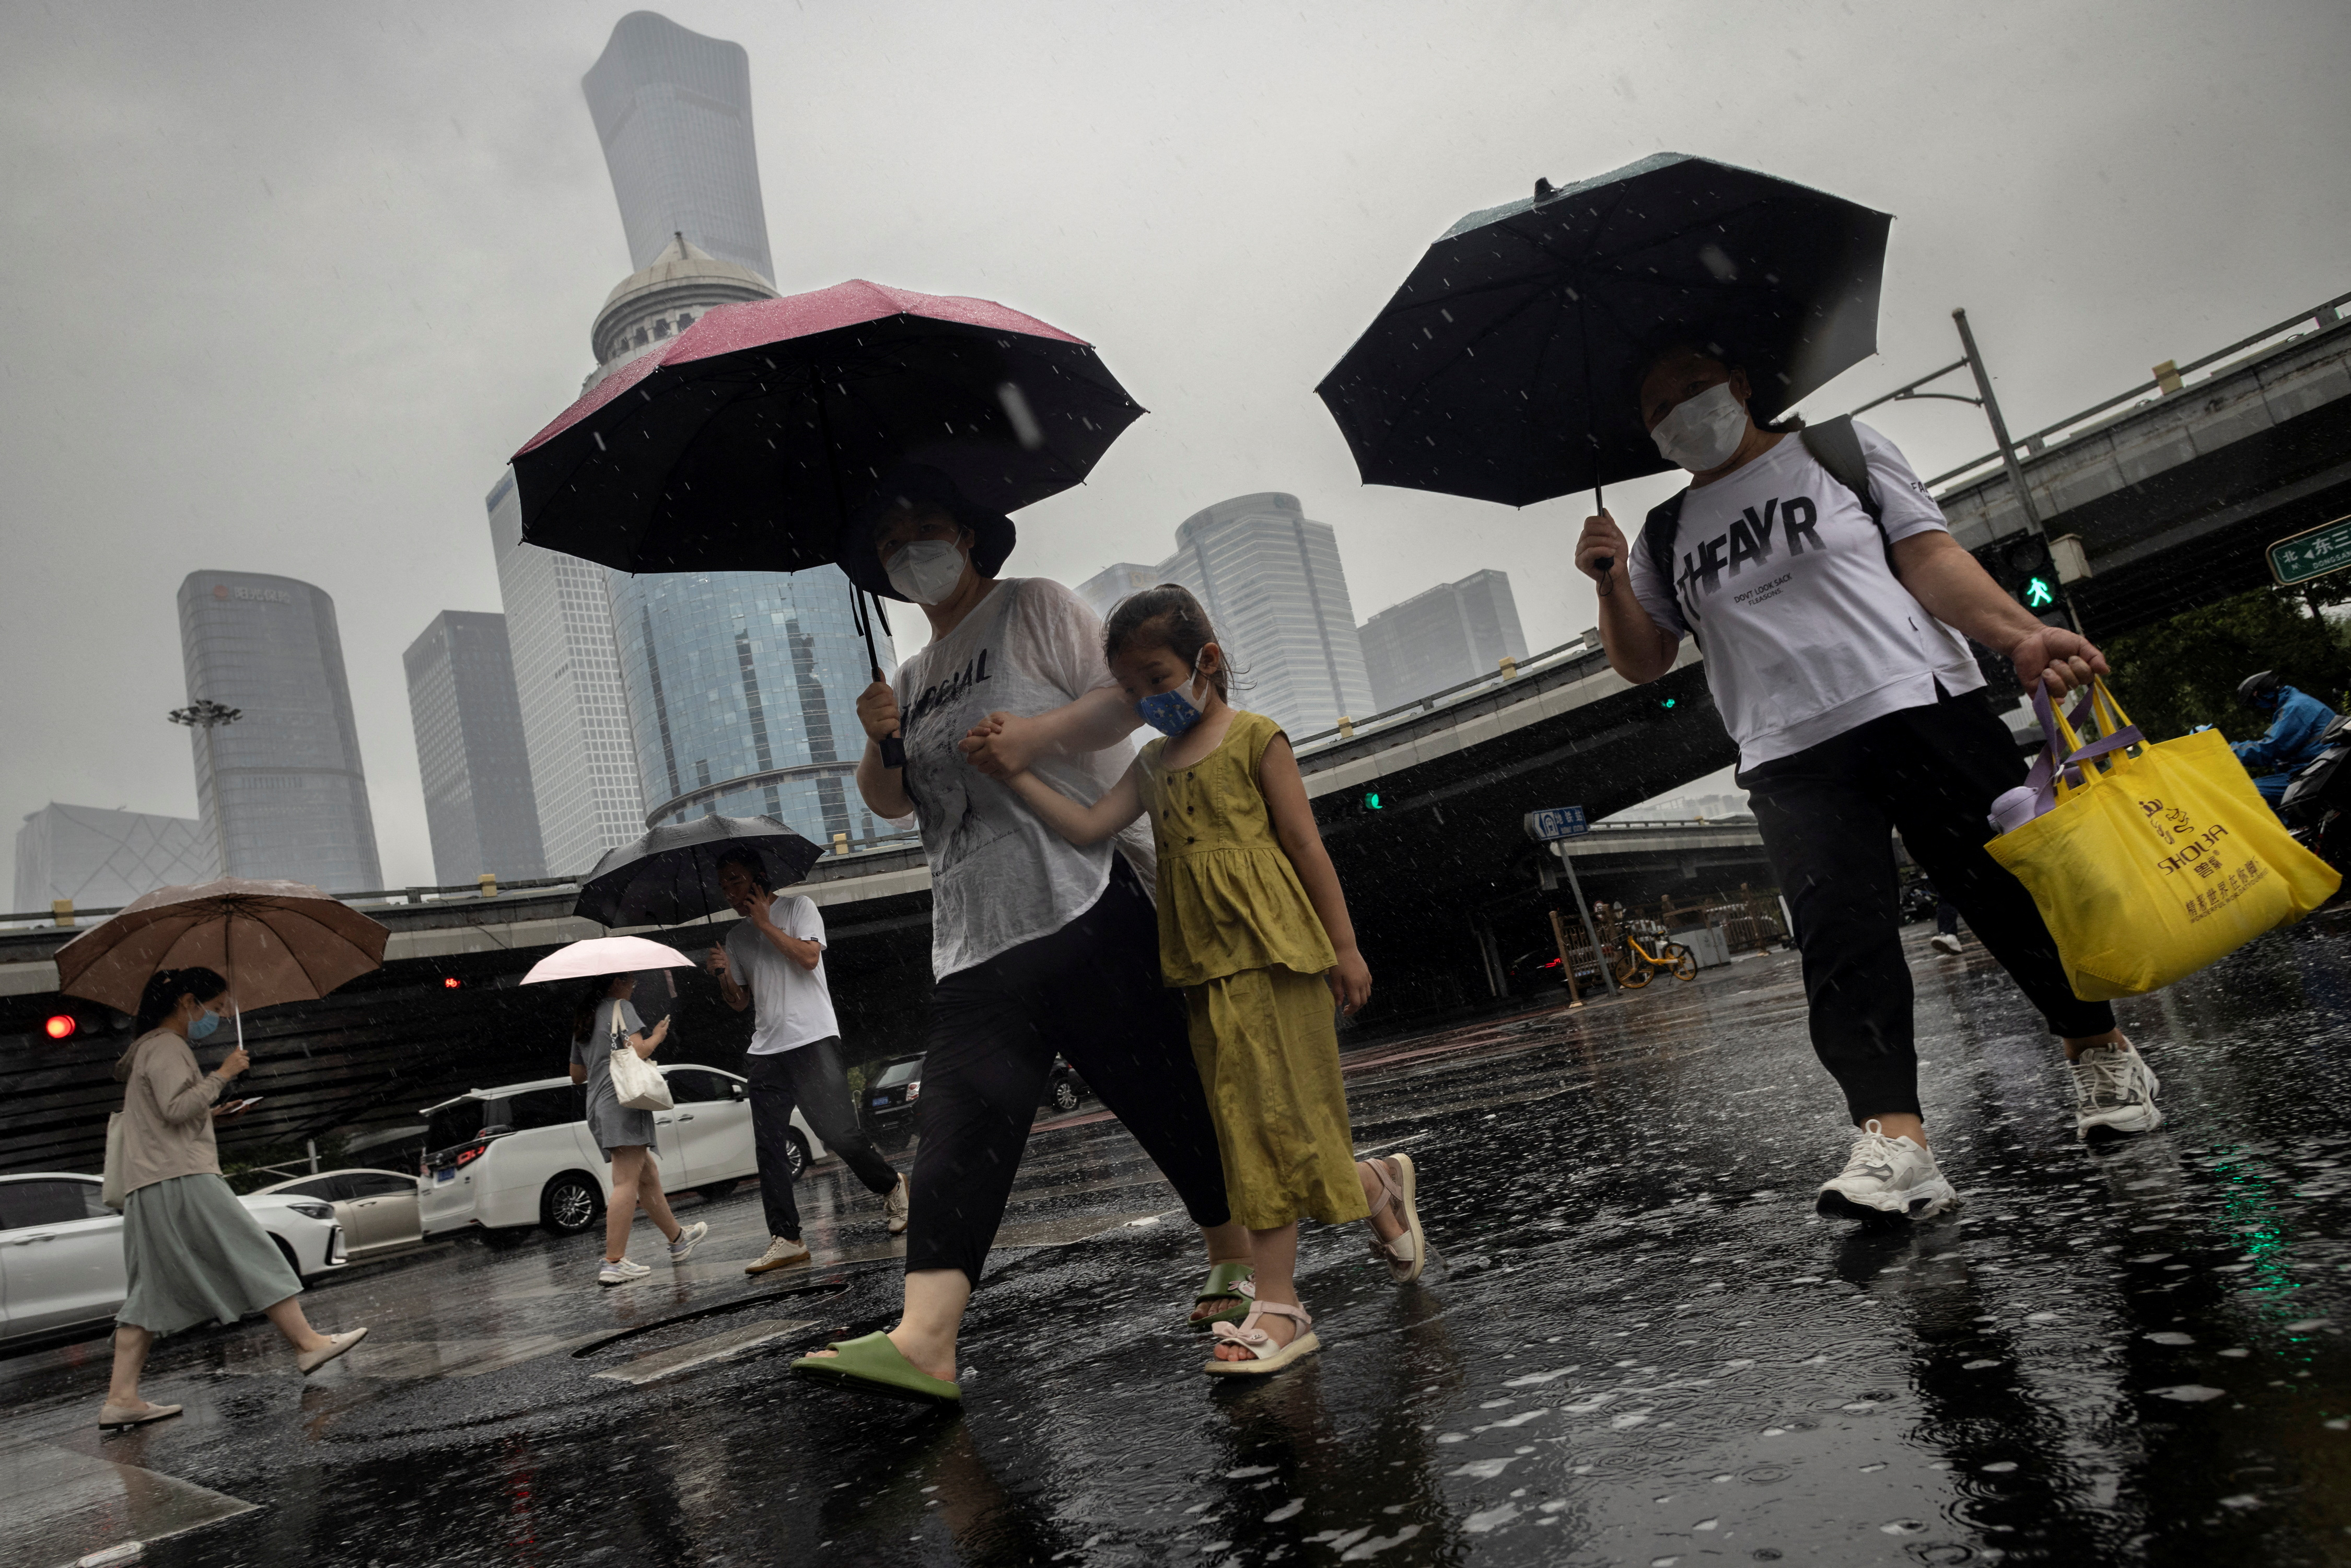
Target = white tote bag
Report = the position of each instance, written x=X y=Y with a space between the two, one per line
x=109 y=1190
x=637 y=1084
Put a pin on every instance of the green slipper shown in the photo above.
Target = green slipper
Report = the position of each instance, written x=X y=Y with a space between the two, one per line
x=1226 y=1279
x=877 y=1366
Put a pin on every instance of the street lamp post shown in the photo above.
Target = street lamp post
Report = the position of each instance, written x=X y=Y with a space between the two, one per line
x=205 y=716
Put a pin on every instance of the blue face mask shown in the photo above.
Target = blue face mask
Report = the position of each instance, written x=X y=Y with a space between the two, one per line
x=1174 y=712
x=201 y=1027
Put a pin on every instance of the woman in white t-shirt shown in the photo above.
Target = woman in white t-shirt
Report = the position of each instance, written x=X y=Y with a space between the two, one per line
x=1833 y=650
x=1038 y=946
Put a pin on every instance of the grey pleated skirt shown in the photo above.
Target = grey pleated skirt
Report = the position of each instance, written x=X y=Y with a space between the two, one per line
x=194 y=1254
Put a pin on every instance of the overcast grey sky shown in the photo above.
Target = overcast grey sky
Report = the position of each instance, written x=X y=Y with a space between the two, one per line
x=291 y=281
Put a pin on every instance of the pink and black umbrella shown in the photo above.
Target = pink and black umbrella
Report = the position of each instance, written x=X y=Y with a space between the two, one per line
x=749 y=441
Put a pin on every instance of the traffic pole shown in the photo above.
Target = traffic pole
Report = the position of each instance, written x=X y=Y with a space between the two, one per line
x=1583 y=913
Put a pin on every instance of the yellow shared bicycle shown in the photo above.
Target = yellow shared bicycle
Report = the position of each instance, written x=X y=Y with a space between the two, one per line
x=1644 y=957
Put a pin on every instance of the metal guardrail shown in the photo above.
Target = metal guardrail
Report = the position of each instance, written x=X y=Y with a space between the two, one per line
x=2033 y=445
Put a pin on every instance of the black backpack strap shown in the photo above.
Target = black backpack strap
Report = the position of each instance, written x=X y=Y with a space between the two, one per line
x=1835 y=447
x=1656 y=539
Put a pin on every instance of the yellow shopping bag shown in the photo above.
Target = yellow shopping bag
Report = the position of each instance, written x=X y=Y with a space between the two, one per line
x=2150 y=860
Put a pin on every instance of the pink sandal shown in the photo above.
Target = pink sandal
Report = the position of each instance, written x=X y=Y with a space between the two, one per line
x=1406 y=1255
x=1265 y=1356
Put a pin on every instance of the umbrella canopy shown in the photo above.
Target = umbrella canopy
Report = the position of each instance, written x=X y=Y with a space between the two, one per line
x=1504 y=369
x=273 y=941
x=749 y=441
x=671 y=874
x=600 y=956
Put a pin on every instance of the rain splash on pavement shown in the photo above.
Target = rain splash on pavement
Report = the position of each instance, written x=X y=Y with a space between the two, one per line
x=1640 y=1346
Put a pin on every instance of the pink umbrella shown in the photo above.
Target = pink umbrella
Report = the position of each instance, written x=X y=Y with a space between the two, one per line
x=600 y=956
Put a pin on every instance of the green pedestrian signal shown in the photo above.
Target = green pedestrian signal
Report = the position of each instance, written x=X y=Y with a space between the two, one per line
x=1667 y=702
x=2039 y=593
x=1372 y=801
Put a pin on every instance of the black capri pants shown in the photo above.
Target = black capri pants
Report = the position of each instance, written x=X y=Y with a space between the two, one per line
x=1090 y=992
x=1827 y=813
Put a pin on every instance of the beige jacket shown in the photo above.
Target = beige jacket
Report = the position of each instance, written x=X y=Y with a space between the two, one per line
x=167 y=1112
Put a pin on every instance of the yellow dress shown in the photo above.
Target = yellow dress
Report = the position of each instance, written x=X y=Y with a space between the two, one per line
x=1238 y=935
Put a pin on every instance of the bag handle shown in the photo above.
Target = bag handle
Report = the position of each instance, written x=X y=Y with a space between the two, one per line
x=2050 y=779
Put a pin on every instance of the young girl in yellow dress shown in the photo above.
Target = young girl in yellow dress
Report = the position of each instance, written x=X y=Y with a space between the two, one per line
x=1252 y=925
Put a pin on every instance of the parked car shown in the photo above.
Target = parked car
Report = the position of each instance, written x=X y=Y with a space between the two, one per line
x=61 y=1269
x=887 y=1103
x=501 y=1159
x=377 y=1209
x=1063 y=1088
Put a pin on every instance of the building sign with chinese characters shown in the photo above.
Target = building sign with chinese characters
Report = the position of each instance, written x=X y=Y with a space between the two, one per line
x=2311 y=553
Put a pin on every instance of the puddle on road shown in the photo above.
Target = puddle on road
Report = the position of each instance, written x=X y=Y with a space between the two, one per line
x=460 y=1357
x=58 y=1506
x=661 y=1364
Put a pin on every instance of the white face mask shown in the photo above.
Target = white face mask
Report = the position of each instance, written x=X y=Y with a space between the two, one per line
x=1703 y=433
x=926 y=570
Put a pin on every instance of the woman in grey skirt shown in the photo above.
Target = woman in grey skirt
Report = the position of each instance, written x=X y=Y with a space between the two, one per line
x=192 y=1252
x=603 y=1023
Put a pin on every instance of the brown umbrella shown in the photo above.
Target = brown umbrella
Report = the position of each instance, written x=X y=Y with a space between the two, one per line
x=274 y=941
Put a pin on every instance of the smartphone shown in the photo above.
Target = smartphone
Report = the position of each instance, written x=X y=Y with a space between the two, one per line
x=250 y=1104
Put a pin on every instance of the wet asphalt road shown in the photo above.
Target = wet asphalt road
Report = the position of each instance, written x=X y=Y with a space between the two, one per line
x=1642 y=1347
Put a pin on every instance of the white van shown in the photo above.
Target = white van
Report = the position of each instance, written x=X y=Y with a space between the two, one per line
x=502 y=1159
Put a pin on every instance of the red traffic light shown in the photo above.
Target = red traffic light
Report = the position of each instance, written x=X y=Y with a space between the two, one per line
x=61 y=1026
x=450 y=984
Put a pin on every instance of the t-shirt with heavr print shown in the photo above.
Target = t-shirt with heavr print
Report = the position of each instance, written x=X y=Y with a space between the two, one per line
x=1807 y=632
x=999 y=876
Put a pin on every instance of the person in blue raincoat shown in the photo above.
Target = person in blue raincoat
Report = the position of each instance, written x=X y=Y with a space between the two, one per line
x=2297 y=720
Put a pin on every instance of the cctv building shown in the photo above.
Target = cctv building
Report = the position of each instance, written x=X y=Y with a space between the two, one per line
x=281 y=790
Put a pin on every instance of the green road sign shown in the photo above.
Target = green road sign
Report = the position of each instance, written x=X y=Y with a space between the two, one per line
x=2311 y=553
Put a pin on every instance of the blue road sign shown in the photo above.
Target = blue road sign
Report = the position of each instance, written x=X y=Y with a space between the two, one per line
x=1556 y=822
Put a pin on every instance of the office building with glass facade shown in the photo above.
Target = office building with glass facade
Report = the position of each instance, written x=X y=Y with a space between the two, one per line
x=567 y=673
x=1104 y=589
x=742 y=686
x=470 y=751
x=1441 y=637
x=674 y=112
x=1271 y=580
x=97 y=859
x=281 y=791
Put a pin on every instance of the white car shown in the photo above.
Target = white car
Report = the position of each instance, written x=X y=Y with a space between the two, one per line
x=61 y=1269
x=376 y=1208
x=503 y=1158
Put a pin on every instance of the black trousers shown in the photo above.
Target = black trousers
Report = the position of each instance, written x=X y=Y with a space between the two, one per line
x=811 y=1077
x=1090 y=992
x=1827 y=815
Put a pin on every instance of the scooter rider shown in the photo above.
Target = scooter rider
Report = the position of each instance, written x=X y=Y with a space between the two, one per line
x=2297 y=720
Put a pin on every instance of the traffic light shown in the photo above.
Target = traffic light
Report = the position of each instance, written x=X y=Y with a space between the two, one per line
x=1667 y=702
x=1371 y=799
x=450 y=984
x=61 y=1026
x=2020 y=563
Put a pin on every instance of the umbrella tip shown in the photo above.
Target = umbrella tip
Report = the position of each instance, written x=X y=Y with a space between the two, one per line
x=1542 y=187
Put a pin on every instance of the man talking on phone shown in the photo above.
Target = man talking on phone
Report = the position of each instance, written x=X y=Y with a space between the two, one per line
x=774 y=964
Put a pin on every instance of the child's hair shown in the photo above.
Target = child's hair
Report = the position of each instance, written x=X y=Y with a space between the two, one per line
x=1165 y=617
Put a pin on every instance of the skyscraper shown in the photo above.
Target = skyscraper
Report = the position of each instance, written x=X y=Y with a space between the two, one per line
x=102 y=859
x=1272 y=584
x=281 y=791
x=742 y=686
x=1440 y=637
x=674 y=112
x=567 y=676
x=470 y=751
x=1104 y=589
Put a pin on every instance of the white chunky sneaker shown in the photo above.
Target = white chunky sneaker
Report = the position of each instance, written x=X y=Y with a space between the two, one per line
x=624 y=1272
x=687 y=1236
x=2114 y=1092
x=780 y=1254
x=1885 y=1176
x=1945 y=942
x=894 y=1206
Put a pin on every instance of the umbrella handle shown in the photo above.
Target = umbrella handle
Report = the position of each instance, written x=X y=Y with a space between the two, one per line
x=893 y=749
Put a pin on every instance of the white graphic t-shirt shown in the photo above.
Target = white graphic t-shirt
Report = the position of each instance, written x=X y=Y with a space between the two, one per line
x=790 y=1006
x=999 y=876
x=1806 y=630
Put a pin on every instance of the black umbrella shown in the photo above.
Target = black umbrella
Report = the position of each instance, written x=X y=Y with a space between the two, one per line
x=671 y=876
x=1503 y=369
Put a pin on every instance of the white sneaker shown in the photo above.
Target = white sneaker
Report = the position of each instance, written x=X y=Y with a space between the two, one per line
x=687 y=1235
x=2114 y=1092
x=1885 y=1176
x=624 y=1272
x=780 y=1254
x=1946 y=941
x=895 y=1204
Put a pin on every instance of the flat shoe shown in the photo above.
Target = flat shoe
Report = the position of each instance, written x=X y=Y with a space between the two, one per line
x=1225 y=1280
x=133 y=1415
x=1407 y=1255
x=309 y=1361
x=874 y=1365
